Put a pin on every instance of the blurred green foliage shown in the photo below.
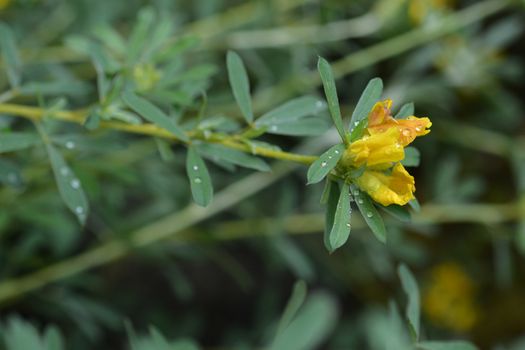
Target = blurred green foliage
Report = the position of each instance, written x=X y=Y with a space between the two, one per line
x=149 y=270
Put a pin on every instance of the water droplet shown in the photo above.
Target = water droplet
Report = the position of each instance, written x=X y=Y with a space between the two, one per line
x=70 y=145
x=197 y=180
x=418 y=128
x=329 y=157
x=360 y=201
x=319 y=104
x=75 y=184
x=348 y=225
x=323 y=164
x=398 y=145
x=273 y=128
x=369 y=214
x=356 y=123
x=79 y=210
x=406 y=132
x=64 y=171
x=195 y=168
x=336 y=152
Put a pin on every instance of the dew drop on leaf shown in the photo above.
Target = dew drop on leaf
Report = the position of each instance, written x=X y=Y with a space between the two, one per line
x=75 y=184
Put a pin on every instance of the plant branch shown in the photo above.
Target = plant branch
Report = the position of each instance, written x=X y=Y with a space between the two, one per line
x=79 y=116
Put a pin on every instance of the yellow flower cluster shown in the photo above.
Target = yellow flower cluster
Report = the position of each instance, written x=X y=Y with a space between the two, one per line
x=448 y=300
x=380 y=150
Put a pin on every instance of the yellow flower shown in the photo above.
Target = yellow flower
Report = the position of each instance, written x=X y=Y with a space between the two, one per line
x=377 y=149
x=448 y=299
x=380 y=120
x=386 y=189
x=380 y=150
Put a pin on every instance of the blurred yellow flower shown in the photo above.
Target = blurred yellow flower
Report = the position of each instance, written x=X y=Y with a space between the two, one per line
x=448 y=301
x=419 y=10
x=4 y=4
x=380 y=150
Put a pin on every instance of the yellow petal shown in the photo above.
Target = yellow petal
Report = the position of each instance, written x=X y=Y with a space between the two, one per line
x=386 y=189
x=408 y=128
x=376 y=149
x=379 y=112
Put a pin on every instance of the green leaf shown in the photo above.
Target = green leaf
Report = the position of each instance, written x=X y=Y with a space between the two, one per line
x=341 y=226
x=73 y=88
x=324 y=164
x=139 y=34
x=14 y=141
x=327 y=77
x=152 y=113
x=292 y=111
x=370 y=214
x=397 y=211
x=326 y=191
x=53 y=339
x=368 y=99
x=304 y=127
x=405 y=111
x=240 y=84
x=446 y=345
x=294 y=304
x=233 y=156
x=412 y=157
x=21 y=335
x=69 y=185
x=359 y=129
x=412 y=291
x=200 y=181
x=10 y=55
x=310 y=327
x=331 y=207
x=414 y=204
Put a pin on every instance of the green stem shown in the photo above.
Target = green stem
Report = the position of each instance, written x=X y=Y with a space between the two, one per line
x=78 y=117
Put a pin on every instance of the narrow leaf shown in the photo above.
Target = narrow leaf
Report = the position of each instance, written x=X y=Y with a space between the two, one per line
x=292 y=111
x=10 y=55
x=233 y=156
x=324 y=164
x=311 y=326
x=331 y=207
x=14 y=141
x=341 y=227
x=153 y=114
x=368 y=99
x=294 y=304
x=327 y=77
x=69 y=185
x=412 y=157
x=412 y=291
x=370 y=214
x=305 y=127
x=200 y=181
x=405 y=111
x=414 y=204
x=397 y=211
x=240 y=84
x=357 y=130
x=326 y=191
